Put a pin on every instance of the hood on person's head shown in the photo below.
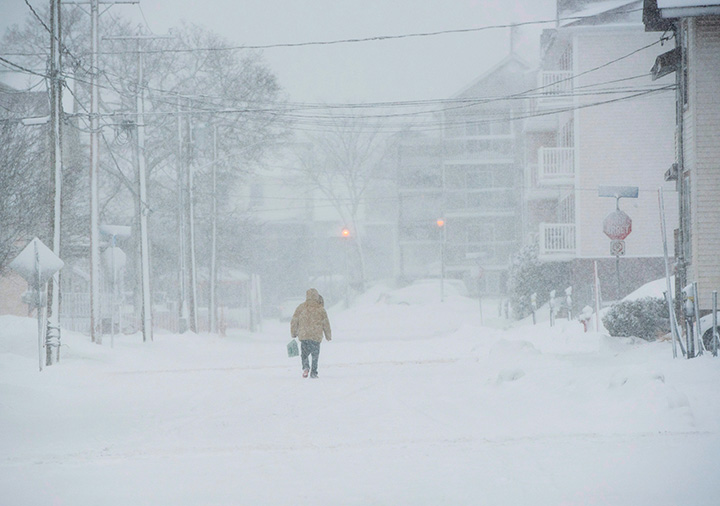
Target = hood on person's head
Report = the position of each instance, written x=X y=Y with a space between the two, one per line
x=313 y=295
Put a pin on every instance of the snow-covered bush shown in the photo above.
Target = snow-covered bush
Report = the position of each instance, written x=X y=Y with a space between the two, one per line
x=646 y=318
x=528 y=275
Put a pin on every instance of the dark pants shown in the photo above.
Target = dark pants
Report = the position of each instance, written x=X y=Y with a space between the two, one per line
x=310 y=348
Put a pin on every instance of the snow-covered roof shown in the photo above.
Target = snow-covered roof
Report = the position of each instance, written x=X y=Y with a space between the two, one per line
x=688 y=8
x=672 y=4
x=591 y=10
x=510 y=59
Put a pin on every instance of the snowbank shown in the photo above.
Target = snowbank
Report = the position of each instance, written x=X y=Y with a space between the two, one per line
x=417 y=403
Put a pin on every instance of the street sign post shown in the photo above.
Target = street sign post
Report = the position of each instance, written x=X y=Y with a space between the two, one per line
x=36 y=263
x=617 y=225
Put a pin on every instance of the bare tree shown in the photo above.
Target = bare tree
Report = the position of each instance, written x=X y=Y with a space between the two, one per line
x=342 y=164
x=24 y=179
x=227 y=90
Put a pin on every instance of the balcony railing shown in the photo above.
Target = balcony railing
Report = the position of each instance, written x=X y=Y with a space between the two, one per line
x=555 y=88
x=557 y=239
x=556 y=165
x=556 y=82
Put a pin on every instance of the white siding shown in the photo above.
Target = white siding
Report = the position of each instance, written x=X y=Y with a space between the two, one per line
x=626 y=143
x=703 y=146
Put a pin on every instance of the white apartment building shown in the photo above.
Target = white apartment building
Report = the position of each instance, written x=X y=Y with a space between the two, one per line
x=598 y=119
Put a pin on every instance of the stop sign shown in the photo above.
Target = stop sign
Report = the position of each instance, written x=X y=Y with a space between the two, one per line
x=617 y=225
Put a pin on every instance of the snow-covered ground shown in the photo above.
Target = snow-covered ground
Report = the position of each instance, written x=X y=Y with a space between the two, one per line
x=417 y=403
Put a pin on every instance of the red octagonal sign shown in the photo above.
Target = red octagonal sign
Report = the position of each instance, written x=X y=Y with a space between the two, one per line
x=617 y=225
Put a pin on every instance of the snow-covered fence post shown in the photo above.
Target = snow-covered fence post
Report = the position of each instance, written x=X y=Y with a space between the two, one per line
x=533 y=304
x=552 y=308
x=689 y=311
x=568 y=301
x=596 y=283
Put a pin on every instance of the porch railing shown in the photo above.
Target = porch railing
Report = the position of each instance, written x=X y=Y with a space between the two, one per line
x=556 y=165
x=557 y=239
x=555 y=82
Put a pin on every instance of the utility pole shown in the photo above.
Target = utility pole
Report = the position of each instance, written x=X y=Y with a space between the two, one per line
x=213 y=258
x=142 y=202
x=681 y=184
x=143 y=208
x=181 y=172
x=52 y=338
x=95 y=333
x=191 y=234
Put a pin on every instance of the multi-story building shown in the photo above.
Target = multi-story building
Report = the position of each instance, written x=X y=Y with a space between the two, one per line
x=469 y=176
x=598 y=120
x=695 y=64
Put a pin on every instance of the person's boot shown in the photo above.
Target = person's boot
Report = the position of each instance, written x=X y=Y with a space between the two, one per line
x=305 y=373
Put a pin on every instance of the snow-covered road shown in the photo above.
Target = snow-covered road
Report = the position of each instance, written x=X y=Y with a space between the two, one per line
x=416 y=404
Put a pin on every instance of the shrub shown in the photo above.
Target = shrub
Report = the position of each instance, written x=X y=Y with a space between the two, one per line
x=528 y=275
x=644 y=318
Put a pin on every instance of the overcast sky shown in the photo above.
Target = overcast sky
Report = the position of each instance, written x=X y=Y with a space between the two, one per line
x=404 y=69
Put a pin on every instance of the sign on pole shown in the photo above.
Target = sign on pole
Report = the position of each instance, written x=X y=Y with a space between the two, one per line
x=25 y=265
x=617 y=225
x=617 y=248
x=36 y=263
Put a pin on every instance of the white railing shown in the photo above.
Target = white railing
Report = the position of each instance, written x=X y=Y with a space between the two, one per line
x=555 y=82
x=554 y=89
x=557 y=239
x=556 y=165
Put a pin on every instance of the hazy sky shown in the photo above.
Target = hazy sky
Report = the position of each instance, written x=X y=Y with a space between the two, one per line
x=405 y=69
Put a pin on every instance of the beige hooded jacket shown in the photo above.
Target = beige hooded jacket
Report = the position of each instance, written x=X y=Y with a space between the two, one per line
x=310 y=320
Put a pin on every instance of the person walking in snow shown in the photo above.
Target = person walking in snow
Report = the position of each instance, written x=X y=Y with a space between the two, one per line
x=309 y=323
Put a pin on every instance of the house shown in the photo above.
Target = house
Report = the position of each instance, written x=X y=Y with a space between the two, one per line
x=695 y=64
x=459 y=187
x=598 y=119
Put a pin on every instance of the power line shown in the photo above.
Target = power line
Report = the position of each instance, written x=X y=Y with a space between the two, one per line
x=375 y=38
x=435 y=106
x=468 y=101
x=378 y=38
x=42 y=22
x=22 y=69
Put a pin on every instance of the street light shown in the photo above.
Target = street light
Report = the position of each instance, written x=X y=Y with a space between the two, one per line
x=345 y=234
x=441 y=225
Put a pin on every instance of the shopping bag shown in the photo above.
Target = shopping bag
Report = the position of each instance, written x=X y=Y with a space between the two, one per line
x=292 y=348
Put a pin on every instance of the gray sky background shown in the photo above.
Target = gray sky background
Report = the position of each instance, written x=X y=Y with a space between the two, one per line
x=405 y=69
